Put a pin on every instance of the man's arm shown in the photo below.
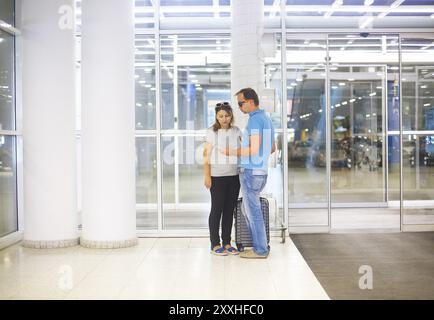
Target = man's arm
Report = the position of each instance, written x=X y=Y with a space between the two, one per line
x=251 y=150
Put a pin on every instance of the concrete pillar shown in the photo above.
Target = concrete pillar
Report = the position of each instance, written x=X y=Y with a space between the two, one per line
x=108 y=148
x=246 y=57
x=48 y=89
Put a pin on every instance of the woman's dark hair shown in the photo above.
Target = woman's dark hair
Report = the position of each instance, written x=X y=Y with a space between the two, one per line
x=249 y=94
x=226 y=106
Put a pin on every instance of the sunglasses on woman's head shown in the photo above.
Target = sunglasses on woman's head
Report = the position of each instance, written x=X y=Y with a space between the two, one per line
x=222 y=105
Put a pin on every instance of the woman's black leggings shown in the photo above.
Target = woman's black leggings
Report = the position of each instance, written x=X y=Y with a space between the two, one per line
x=224 y=195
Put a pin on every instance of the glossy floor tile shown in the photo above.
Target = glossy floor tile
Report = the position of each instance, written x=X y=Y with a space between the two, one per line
x=163 y=268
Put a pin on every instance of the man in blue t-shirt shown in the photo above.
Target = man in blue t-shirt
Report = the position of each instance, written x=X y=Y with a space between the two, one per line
x=257 y=145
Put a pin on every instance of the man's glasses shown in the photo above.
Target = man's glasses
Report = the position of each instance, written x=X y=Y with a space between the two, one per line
x=223 y=105
x=240 y=103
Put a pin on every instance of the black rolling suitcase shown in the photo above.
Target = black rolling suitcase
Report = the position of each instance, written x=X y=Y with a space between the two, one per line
x=242 y=235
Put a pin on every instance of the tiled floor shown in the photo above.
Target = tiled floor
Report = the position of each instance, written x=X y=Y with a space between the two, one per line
x=164 y=268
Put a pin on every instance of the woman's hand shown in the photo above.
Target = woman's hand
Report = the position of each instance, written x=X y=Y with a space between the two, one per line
x=207 y=182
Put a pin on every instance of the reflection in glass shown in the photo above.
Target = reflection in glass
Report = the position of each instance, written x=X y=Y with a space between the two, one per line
x=7 y=100
x=8 y=186
x=145 y=83
x=195 y=74
x=273 y=80
x=364 y=104
x=146 y=182
x=418 y=130
x=357 y=139
x=7 y=11
x=306 y=123
x=186 y=200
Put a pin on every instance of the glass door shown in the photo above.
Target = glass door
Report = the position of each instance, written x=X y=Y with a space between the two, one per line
x=418 y=132
x=362 y=76
x=307 y=185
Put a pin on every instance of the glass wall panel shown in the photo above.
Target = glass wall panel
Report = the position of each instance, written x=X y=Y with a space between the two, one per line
x=195 y=74
x=273 y=77
x=144 y=15
x=359 y=82
x=418 y=130
x=7 y=11
x=145 y=82
x=146 y=182
x=8 y=186
x=272 y=14
x=273 y=80
x=186 y=201
x=7 y=90
x=305 y=84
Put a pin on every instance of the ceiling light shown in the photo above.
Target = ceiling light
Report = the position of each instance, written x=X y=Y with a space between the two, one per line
x=337 y=3
x=423 y=87
x=352 y=100
x=427 y=104
x=365 y=23
x=328 y=14
x=341 y=83
x=396 y=4
x=368 y=2
x=372 y=94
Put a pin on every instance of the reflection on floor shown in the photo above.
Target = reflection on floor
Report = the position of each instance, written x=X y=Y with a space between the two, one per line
x=165 y=268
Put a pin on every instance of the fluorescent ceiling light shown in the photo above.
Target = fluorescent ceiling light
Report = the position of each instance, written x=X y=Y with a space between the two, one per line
x=396 y=4
x=368 y=2
x=365 y=23
x=328 y=14
x=337 y=3
x=216 y=8
x=274 y=8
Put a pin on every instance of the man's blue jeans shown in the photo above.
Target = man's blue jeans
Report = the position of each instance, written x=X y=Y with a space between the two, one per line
x=252 y=183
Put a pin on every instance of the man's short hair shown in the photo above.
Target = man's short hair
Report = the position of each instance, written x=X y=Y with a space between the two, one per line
x=249 y=93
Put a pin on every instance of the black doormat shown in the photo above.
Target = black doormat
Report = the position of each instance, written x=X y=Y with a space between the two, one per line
x=371 y=266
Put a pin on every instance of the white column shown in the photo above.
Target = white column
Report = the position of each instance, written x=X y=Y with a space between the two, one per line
x=108 y=146
x=247 y=65
x=48 y=88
